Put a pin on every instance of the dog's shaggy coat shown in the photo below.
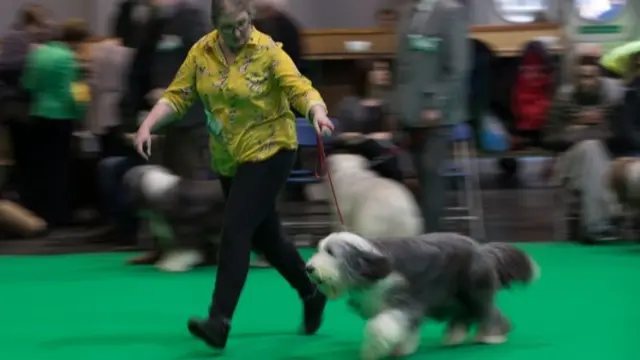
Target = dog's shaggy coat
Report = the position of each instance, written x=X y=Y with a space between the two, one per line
x=395 y=285
x=372 y=206
x=623 y=179
x=192 y=209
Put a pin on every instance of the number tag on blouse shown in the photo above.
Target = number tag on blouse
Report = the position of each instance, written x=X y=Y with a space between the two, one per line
x=424 y=43
x=169 y=42
x=213 y=125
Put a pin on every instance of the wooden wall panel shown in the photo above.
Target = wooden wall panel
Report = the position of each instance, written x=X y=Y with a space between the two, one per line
x=504 y=40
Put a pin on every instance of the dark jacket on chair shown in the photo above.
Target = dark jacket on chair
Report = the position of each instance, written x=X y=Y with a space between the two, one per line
x=626 y=123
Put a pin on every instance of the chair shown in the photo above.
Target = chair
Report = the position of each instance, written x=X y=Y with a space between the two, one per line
x=307 y=139
x=463 y=171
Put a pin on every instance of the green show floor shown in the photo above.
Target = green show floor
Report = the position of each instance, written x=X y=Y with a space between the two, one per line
x=92 y=307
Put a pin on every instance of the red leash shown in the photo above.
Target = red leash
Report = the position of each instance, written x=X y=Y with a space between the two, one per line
x=321 y=167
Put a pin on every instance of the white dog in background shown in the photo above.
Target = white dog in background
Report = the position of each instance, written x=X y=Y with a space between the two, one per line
x=372 y=206
x=184 y=214
x=623 y=180
x=396 y=285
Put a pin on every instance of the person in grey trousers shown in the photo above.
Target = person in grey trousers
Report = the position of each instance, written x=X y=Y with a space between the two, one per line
x=580 y=129
x=430 y=91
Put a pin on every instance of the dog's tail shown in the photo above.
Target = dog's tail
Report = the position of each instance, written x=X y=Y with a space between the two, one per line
x=512 y=264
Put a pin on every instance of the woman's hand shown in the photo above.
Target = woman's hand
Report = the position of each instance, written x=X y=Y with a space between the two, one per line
x=143 y=142
x=321 y=121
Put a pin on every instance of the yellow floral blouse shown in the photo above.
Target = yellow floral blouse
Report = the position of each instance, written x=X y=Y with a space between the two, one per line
x=247 y=102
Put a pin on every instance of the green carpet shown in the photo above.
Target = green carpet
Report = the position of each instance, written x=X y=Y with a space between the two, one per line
x=92 y=307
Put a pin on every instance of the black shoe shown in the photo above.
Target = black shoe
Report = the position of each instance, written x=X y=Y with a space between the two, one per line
x=313 y=310
x=601 y=237
x=214 y=332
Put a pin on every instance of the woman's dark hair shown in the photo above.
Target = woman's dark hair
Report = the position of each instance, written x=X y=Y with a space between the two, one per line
x=362 y=77
x=221 y=6
x=30 y=15
x=74 y=31
x=588 y=60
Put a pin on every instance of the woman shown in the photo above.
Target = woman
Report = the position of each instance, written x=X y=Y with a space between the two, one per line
x=366 y=117
x=246 y=82
x=50 y=73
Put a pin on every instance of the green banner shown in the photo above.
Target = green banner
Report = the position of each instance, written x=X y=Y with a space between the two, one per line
x=600 y=29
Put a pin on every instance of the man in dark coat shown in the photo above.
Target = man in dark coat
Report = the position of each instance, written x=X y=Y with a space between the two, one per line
x=170 y=29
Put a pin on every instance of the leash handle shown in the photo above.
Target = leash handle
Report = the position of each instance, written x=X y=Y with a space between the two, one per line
x=321 y=167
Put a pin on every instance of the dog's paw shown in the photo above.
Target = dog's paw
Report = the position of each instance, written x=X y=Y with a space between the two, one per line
x=372 y=352
x=491 y=336
x=456 y=334
x=490 y=339
x=180 y=261
x=494 y=334
x=384 y=333
x=408 y=346
x=376 y=347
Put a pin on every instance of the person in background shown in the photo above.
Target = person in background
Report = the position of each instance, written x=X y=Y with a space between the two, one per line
x=174 y=26
x=272 y=20
x=367 y=115
x=532 y=93
x=627 y=119
x=579 y=130
x=130 y=21
x=248 y=82
x=430 y=95
x=31 y=24
x=49 y=76
x=109 y=62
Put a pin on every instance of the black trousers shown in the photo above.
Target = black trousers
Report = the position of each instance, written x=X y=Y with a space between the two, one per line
x=252 y=222
x=22 y=175
x=52 y=144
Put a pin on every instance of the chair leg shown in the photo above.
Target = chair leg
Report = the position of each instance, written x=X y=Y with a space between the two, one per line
x=474 y=192
x=559 y=214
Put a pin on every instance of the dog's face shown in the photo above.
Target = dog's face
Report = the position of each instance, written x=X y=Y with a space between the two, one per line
x=347 y=162
x=345 y=261
x=150 y=182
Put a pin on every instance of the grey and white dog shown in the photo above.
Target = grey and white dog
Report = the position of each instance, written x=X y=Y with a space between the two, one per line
x=396 y=285
x=191 y=211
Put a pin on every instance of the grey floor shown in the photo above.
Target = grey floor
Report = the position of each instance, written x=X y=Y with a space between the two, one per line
x=515 y=210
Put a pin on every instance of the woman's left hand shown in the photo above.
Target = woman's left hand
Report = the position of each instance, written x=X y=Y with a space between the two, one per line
x=321 y=121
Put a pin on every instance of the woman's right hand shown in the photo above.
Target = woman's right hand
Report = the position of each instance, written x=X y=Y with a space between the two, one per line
x=143 y=141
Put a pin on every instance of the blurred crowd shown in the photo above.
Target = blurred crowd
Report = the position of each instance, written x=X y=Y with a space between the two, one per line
x=63 y=91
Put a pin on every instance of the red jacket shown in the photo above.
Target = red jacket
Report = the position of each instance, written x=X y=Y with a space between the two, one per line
x=531 y=96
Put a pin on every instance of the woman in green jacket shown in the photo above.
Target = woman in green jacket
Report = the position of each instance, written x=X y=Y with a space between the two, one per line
x=49 y=76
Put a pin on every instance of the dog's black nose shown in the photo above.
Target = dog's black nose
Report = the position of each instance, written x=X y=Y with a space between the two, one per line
x=310 y=269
